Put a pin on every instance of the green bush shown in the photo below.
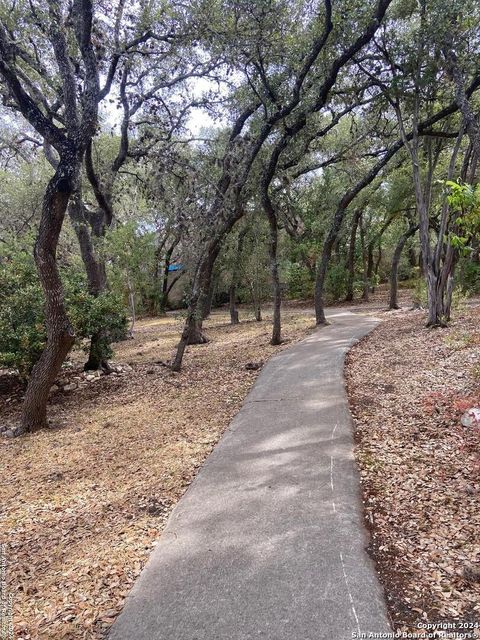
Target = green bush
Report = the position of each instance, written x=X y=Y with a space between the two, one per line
x=420 y=293
x=22 y=316
x=469 y=275
x=22 y=330
x=336 y=282
x=299 y=281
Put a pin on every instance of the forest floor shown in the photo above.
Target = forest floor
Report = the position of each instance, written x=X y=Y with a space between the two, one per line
x=85 y=501
x=408 y=388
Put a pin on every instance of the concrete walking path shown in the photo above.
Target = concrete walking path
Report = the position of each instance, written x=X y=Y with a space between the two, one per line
x=268 y=542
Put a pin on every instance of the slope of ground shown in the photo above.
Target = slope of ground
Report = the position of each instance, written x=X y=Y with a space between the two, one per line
x=409 y=387
x=85 y=501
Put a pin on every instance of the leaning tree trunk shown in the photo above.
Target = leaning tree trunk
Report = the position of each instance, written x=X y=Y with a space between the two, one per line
x=60 y=334
x=322 y=264
x=166 y=271
x=393 y=300
x=192 y=331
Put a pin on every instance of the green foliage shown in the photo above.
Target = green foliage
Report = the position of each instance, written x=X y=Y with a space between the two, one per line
x=336 y=282
x=22 y=317
x=299 y=281
x=464 y=200
x=22 y=330
x=469 y=275
x=130 y=252
x=420 y=294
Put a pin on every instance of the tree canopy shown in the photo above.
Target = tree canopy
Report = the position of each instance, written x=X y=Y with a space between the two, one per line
x=160 y=155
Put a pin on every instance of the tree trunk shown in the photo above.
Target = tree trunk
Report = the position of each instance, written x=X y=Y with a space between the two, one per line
x=165 y=290
x=322 y=264
x=351 y=255
x=60 y=335
x=196 y=335
x=208 y=301
x=96 y=274
x=377 y=267
x=192 y=331
x=277 y=295
x=393 y=301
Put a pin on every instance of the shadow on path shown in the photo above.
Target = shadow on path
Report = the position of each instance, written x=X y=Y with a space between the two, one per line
x=268 y=541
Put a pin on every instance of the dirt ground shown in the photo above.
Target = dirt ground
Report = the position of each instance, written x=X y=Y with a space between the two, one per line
x=409 y=387
x=83 y=503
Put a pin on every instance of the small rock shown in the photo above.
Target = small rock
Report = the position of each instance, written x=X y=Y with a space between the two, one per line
x=471 y=417
x=70 y=387
x=90 y=377
x=150 y=371
x=55 y=476
x=10 y=433
x=471 y=572
x=253 y=366
x=54 y=388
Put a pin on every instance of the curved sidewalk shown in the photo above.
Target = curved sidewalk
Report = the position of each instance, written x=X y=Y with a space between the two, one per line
x=268 y=541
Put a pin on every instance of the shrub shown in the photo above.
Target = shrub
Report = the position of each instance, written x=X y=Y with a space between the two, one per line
x=336 y=282
x=22 y=315
x=469 y=275
x=299 y=281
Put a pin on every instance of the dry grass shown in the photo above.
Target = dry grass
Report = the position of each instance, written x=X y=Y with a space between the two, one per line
x=85 y=501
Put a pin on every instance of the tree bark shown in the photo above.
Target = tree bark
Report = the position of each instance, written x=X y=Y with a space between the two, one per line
x=166 y=267
x=272 y=252
x=60 y=334
x=208 y=299
x=192 y=331
x=96 y=273
x=277 y=295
